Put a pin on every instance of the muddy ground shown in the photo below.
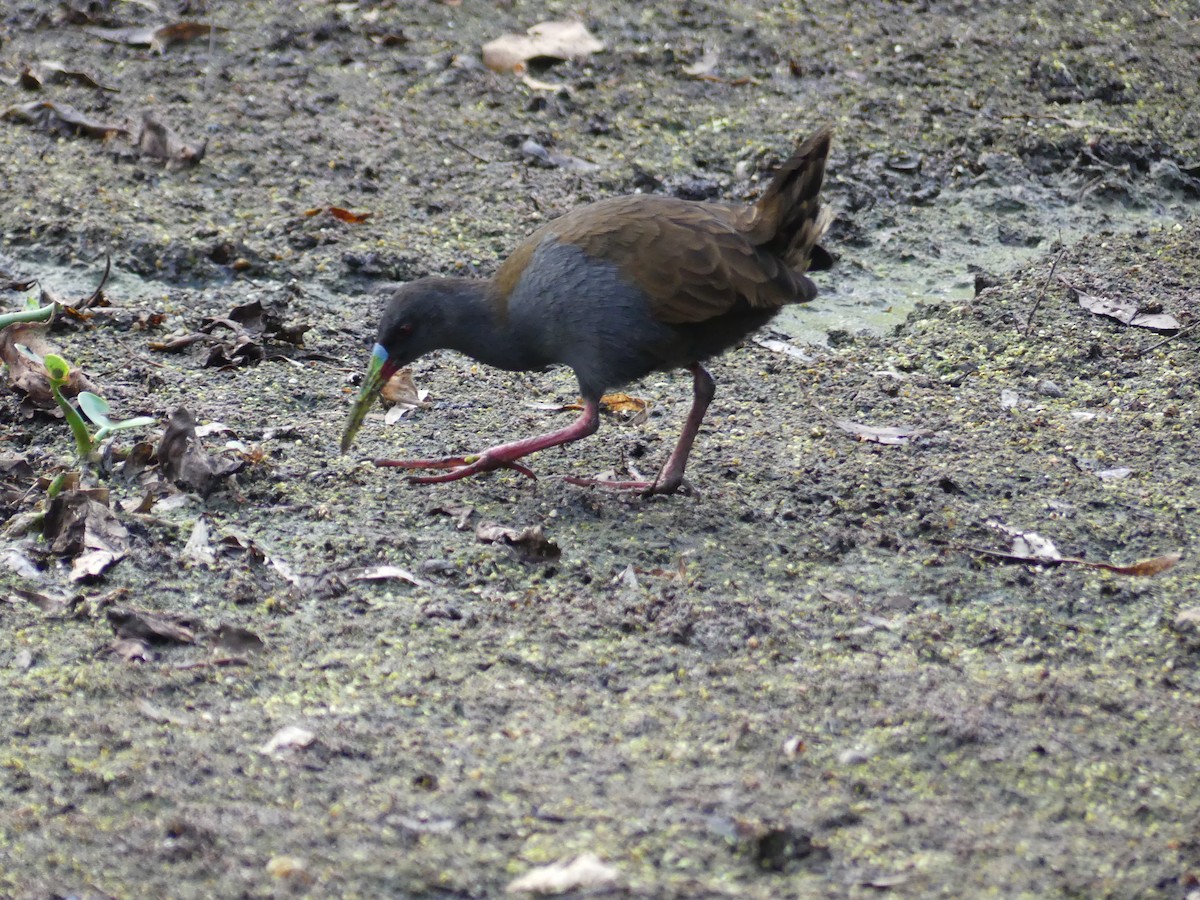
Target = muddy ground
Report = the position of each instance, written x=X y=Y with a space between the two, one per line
x=805 y=680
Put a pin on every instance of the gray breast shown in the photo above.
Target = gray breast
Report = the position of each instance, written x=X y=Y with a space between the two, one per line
x=581 y=312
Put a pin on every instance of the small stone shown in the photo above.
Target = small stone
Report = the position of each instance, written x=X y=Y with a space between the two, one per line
x=854 y=756
x=1188 y=620
x=1048 y=388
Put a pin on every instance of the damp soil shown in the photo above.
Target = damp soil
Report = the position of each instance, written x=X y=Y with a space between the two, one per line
x=807 y=678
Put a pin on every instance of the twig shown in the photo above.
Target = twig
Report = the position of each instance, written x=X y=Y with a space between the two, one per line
x=1167 y=340
x=1042 y=293
x=85 y=304
x=467 y=151
x=210 y=663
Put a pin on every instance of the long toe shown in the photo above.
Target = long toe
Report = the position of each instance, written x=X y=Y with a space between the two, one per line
x=449 y=462
x=462 y=468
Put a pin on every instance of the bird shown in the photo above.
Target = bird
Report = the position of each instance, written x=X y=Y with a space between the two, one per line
x=615 y=290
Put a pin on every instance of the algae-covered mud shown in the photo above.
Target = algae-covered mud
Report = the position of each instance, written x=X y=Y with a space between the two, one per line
x=928 y=626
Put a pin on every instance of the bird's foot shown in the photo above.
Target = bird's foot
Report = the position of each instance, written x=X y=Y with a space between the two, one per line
x=459 y=466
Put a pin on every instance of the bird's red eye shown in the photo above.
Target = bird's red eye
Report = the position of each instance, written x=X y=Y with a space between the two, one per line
x=405 y=330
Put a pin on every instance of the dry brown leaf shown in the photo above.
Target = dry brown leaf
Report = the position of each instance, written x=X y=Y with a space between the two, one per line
x=1144 y=567
x=618 y=403
x=81 y=527
x=237 y=639
x=460 y=514
x=344 y=215
x=892 y=435
x=156 y=141
x=22 y=347
x=151 y=627
x=1031 y=547
x=157 y=38
x=402 y=389
x=34 y=77
x=388 y=38
x=54 y=605
x=132 y=650
x=624 y=403
x=546 y=40
x=1125 y=312
x=534 y=150
x=61 y=117
x=183 y=459
x=530 y=543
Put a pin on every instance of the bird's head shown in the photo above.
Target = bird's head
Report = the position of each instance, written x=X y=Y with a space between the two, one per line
x=414 y=322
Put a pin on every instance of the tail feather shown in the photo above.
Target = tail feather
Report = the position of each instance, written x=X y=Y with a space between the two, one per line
x=788 y=218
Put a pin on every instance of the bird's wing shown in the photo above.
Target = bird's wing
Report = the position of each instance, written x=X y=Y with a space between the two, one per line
x=691 y=259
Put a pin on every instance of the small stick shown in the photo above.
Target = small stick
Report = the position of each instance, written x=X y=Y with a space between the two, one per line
x=466 y=150
x=209 y=663
x=1167 y=340
x=1042 y=293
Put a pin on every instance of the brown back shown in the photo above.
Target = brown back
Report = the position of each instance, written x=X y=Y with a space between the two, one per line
x=697 y=261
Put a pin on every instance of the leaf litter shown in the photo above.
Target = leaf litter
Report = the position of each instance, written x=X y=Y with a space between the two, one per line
x=1031 y=547
x=1127 y=312
x=551 y=41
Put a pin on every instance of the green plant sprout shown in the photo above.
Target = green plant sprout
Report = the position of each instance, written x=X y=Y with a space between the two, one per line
x=95 y=407
x=32 y=313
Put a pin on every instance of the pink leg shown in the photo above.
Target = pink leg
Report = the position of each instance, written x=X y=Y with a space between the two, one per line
x=504 y=456
x=670 y=477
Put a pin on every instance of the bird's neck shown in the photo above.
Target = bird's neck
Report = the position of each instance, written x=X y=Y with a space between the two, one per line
x=477 y=326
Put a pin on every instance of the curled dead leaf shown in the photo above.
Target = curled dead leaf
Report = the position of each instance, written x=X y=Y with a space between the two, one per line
x=530 y=543
x=546 y=40
x=151 y=627
x=401 y=395
x=61 y=117
x=184 y=460
x=344 y=215
x=1031 y=547
x=84 y=529
x=157 y=37
x=46 y=71
x=1126 y=312
x=156 y=141
x=534 y=150
x=890 y=435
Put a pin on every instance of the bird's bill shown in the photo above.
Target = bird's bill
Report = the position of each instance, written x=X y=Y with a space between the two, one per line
x=379 y=370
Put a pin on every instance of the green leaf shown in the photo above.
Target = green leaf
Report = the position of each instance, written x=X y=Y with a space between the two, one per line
x=94 y=407
x=138 y=422
x=57 y=368
x=28 y=354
